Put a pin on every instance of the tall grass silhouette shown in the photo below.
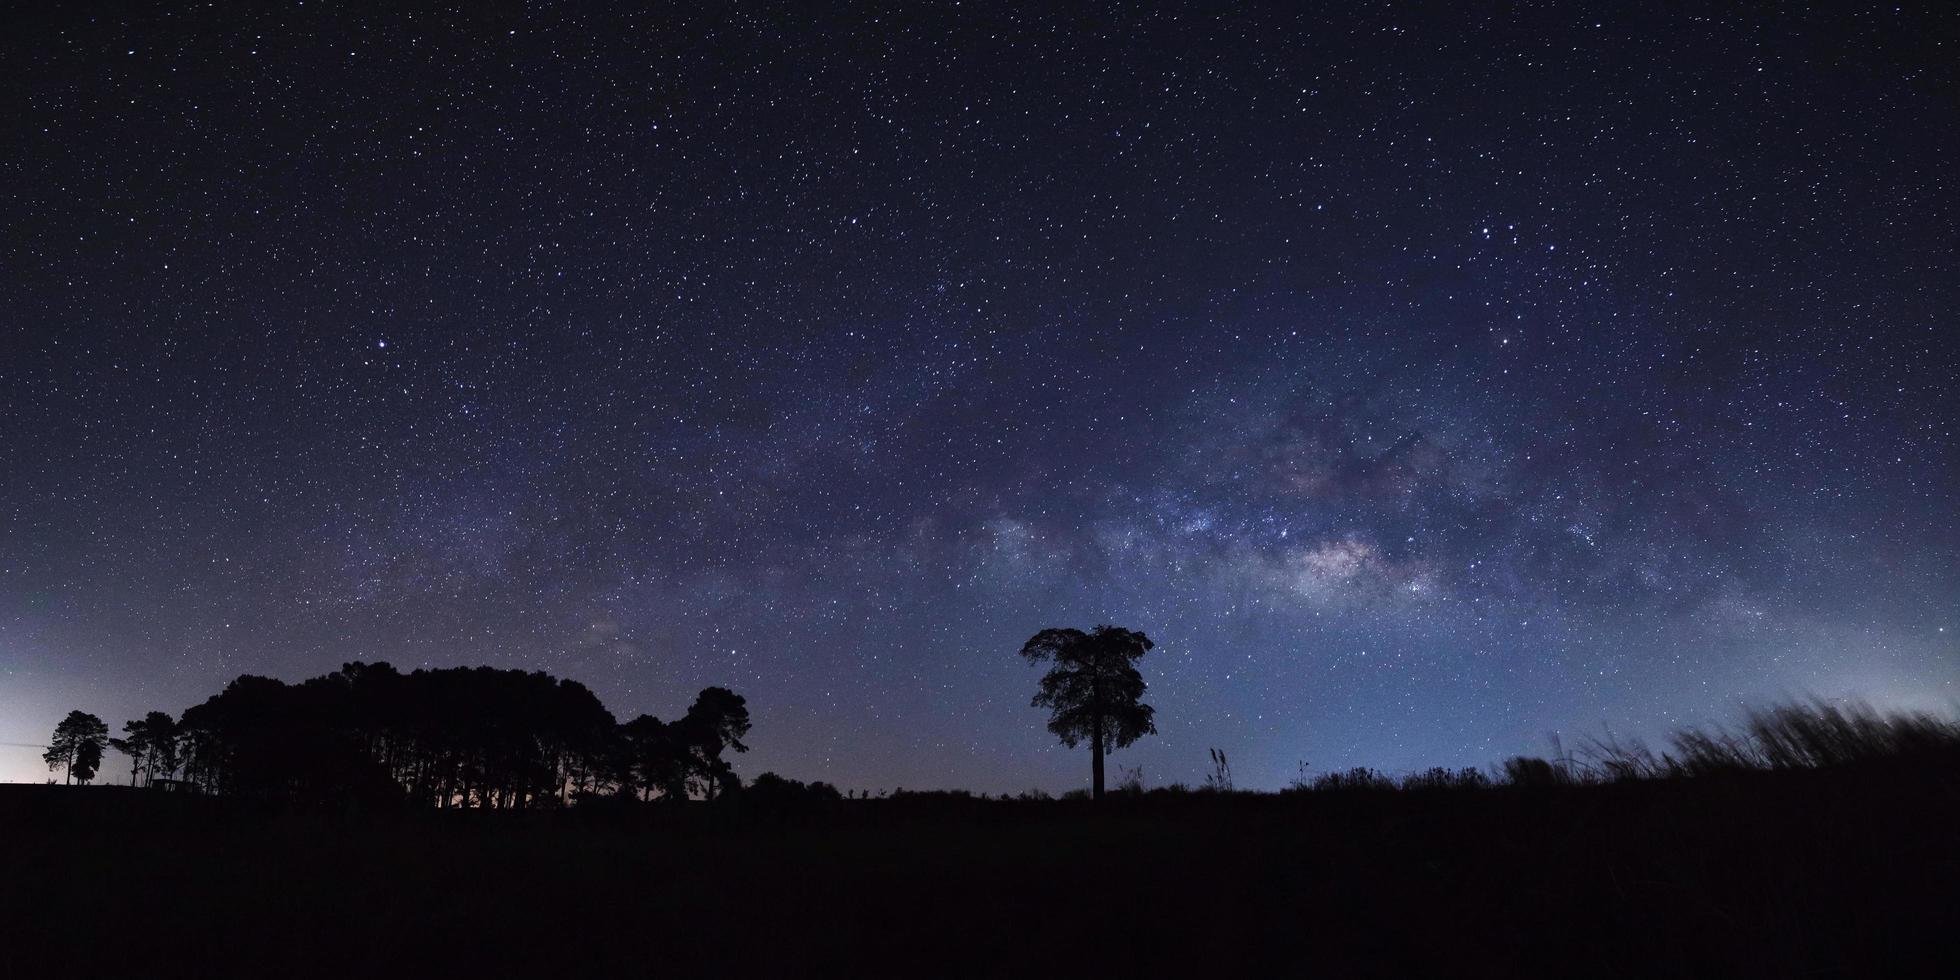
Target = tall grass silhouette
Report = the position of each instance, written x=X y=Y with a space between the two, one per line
x=1813 y=734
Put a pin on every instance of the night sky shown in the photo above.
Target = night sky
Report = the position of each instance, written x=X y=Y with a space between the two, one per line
x=1422 y=381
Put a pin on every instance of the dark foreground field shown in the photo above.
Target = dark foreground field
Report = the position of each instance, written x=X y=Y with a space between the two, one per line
x=1852 y=872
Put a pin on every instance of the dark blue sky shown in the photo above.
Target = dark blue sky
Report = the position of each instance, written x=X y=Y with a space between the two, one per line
x=1423 y=381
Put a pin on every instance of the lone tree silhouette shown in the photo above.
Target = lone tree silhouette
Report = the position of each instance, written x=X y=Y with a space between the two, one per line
x=1093 y=689
x=77 y=746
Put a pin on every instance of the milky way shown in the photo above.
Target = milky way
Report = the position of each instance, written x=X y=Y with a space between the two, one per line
x=1422 y=383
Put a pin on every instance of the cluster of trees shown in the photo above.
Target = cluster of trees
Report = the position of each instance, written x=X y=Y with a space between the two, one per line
x=452 y=737
x=152 y=743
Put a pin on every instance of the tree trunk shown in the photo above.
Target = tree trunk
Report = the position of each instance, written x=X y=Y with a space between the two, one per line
x=1096 y=747
x=1096 y=737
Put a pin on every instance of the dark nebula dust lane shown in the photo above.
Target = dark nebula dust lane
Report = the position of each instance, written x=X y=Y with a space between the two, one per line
x=1421 y=384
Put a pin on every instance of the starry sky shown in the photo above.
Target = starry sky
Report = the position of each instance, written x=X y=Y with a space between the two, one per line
x=1422 y=380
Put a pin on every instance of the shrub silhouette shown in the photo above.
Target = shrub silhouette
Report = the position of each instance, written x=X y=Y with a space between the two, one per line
x=1359 y=778
x=1439 y=778
x=772 y=789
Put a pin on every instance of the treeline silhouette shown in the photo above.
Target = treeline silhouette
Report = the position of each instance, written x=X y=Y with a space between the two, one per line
x=1815 y=840
x=450 y=737
x=481 y=737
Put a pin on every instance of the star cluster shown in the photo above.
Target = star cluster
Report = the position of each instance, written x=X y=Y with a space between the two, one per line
x=1421 y=380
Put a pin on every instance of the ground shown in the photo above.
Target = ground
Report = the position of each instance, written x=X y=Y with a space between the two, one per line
x=1832 y=873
